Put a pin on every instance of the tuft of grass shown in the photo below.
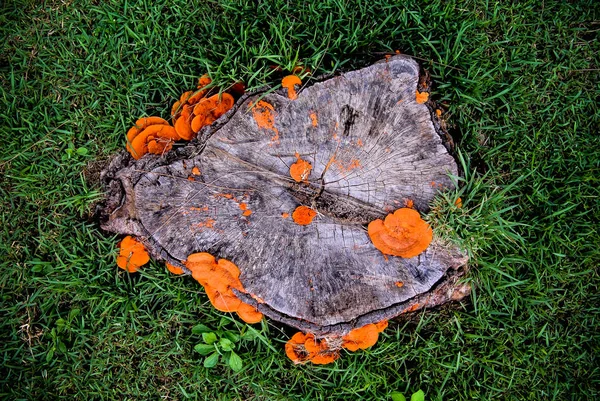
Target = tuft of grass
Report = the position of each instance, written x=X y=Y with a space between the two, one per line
x=519 y=86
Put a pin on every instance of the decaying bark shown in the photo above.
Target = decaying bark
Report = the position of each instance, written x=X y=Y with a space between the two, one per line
x=372 y=148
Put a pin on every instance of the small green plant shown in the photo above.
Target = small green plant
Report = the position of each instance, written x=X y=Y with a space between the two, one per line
x=220 y=344
x=418 y=396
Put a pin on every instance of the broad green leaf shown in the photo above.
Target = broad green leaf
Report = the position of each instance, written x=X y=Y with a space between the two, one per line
x=200 y=328
x=418 y=396
x=209 y=338
x=226 y=344
x=398 y=396
x=235 y=362
x=204 y=349
x=211 y=360
x=62 y=347
x=249 y=335
x=50 y=355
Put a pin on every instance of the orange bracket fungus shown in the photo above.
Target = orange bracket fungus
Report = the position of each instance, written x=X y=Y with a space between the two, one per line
x=403 y=233
x=294 y=208
x=132 y=254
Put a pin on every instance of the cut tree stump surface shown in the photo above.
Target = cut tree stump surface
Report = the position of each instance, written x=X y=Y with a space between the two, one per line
x=372 y=147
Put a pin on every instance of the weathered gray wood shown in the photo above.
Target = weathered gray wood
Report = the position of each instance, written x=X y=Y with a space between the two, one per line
x=372 y=148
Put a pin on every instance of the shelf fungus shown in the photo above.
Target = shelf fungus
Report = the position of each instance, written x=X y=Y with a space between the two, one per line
x=293 y=208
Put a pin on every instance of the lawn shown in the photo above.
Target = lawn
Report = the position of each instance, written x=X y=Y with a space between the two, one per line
x=519 y=84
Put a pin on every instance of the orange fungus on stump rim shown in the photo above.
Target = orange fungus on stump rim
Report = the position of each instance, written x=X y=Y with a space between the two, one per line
x=288 y=82
x=303 y=215
x=132 y=255
x=402 y=233
x=219 y=279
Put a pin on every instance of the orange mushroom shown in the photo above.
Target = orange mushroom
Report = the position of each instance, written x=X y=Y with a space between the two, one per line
x=139 y=144
x=302 y=348
x=174 y=269
x=402 y=233
x=295 y=350
x=219 y=279
x=303 y=215
x=300 y=170
x=132 y=255
x=249 y=313
x=361 y=338
x=289 y=83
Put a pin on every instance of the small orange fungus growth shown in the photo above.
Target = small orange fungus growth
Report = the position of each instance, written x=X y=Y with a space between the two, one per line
x=203 y=81
x=300 y=170
x=302 y=348
x=381 y=325
x=285 y=215
x=263 y=115
x=458 y=203
x=313 y=119
x=422 y=97
x=402 y=233
x=438 y=112
x=289 y=83
x=409 y=203
x=195 y=170
x=132 y=254
x=361 y=338
x=174 y=269
x=303 y=215
x=219 y=279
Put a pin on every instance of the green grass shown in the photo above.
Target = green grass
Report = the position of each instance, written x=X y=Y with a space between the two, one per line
x=520 y=84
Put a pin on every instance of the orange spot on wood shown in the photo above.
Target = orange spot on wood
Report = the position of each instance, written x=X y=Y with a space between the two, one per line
x=313 y=119
x=359 y=143
x=438 y=112
x=285 y=215
x=402 y=233
x=387 y=57
x=289 y=83
x=300 y=170
x=247 y=213
x=195 y=170
x=422 y=97
x=409 y=203
x=263 y=116
x=243 y=206
x=303 y=215
x=399 y=284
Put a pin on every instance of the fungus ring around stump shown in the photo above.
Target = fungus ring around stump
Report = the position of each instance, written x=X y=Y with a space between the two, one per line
x=365 y=144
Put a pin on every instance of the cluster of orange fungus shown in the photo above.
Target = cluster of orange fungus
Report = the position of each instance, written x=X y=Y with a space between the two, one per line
x=289 y=82
x=219 y=279
x=132 y=254
x=300 y=170
x=302 y=348
x=194 y=110
x=403 y=233
x=422 y=97
x=303 y=215
x=150 y=135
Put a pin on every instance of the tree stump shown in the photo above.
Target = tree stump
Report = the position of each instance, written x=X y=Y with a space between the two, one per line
x=372 y=147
